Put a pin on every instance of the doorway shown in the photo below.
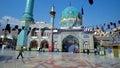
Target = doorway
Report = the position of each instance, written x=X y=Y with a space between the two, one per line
x=69 y=43
x=33 y=44
x=115 y=51
x=44 y=44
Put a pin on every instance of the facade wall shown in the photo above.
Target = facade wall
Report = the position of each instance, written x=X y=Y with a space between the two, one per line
x=80 y=36
x=37 y=34
x=59 y=37
x=119 y=50
x=115 y=52
x=109 y=55
x=88 y=40
x=63 y=35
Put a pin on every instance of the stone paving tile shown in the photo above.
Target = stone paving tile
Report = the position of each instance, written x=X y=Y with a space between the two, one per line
x=58 y=60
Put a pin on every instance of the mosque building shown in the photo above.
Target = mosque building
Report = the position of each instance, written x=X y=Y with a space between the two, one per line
x=43 y=35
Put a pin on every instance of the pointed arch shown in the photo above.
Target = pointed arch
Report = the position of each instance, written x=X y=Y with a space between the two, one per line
x=68 y=41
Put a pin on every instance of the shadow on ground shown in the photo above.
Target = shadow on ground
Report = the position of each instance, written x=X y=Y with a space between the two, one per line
x=2 y=58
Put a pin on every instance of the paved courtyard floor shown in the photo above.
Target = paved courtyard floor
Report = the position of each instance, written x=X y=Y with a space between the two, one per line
x=35 y=59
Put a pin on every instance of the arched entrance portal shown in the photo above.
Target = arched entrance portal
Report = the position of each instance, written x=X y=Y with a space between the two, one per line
x=68 y=43
x=44 y=44
x=33 y=44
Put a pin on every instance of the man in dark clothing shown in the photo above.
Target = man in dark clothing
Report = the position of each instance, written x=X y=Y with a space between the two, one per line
x=40 y=49
x=29 y=48
x=88 y=51
x=20 y=53
x=83 y=50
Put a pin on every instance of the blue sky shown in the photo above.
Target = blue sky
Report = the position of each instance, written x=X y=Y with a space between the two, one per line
x=102 y=11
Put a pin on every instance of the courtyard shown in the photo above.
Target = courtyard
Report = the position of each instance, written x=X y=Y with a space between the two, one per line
x=35 y=59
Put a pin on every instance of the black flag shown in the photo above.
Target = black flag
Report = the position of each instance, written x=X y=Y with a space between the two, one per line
x=13 y=29
x=97 y=27
x=93 y=28
x=110 y=32
x=114 y=25
x=23 y=27
x=111 y=23
x=82 y=11
x=102 y=28
x=3 y=29
x=19 y=30
x=28 y=32
x=104 y=24
x=91 y=2
x=8 y=28
x=16 y=26
x=108 y=26
x=42 y=31
x=119 y=22
x=29 y=28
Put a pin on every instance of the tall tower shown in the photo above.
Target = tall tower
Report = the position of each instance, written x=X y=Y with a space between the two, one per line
x=26 y=21
x=52 y=14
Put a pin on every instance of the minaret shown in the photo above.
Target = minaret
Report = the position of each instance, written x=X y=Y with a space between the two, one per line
x=26 y=21
x=52 y=14
x=28 y=14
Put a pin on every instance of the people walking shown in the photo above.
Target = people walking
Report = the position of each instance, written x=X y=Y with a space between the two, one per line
x=95 y=51
x=88 y=51
x=83 y=50
x=29 y=48
x=109 y=52
x=20 y=53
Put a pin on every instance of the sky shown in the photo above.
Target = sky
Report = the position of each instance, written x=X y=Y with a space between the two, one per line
x=102 y=11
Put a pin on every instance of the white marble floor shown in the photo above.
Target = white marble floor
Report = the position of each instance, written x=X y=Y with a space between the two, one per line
x=35 y=59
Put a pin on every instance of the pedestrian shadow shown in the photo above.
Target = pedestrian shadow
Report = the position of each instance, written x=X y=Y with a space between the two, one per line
x=3 y=58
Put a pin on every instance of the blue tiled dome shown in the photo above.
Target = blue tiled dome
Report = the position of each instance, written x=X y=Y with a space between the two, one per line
x=68 y=17
x=70 y=12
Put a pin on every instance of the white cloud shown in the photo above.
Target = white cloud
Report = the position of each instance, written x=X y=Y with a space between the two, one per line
x=11 y=20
